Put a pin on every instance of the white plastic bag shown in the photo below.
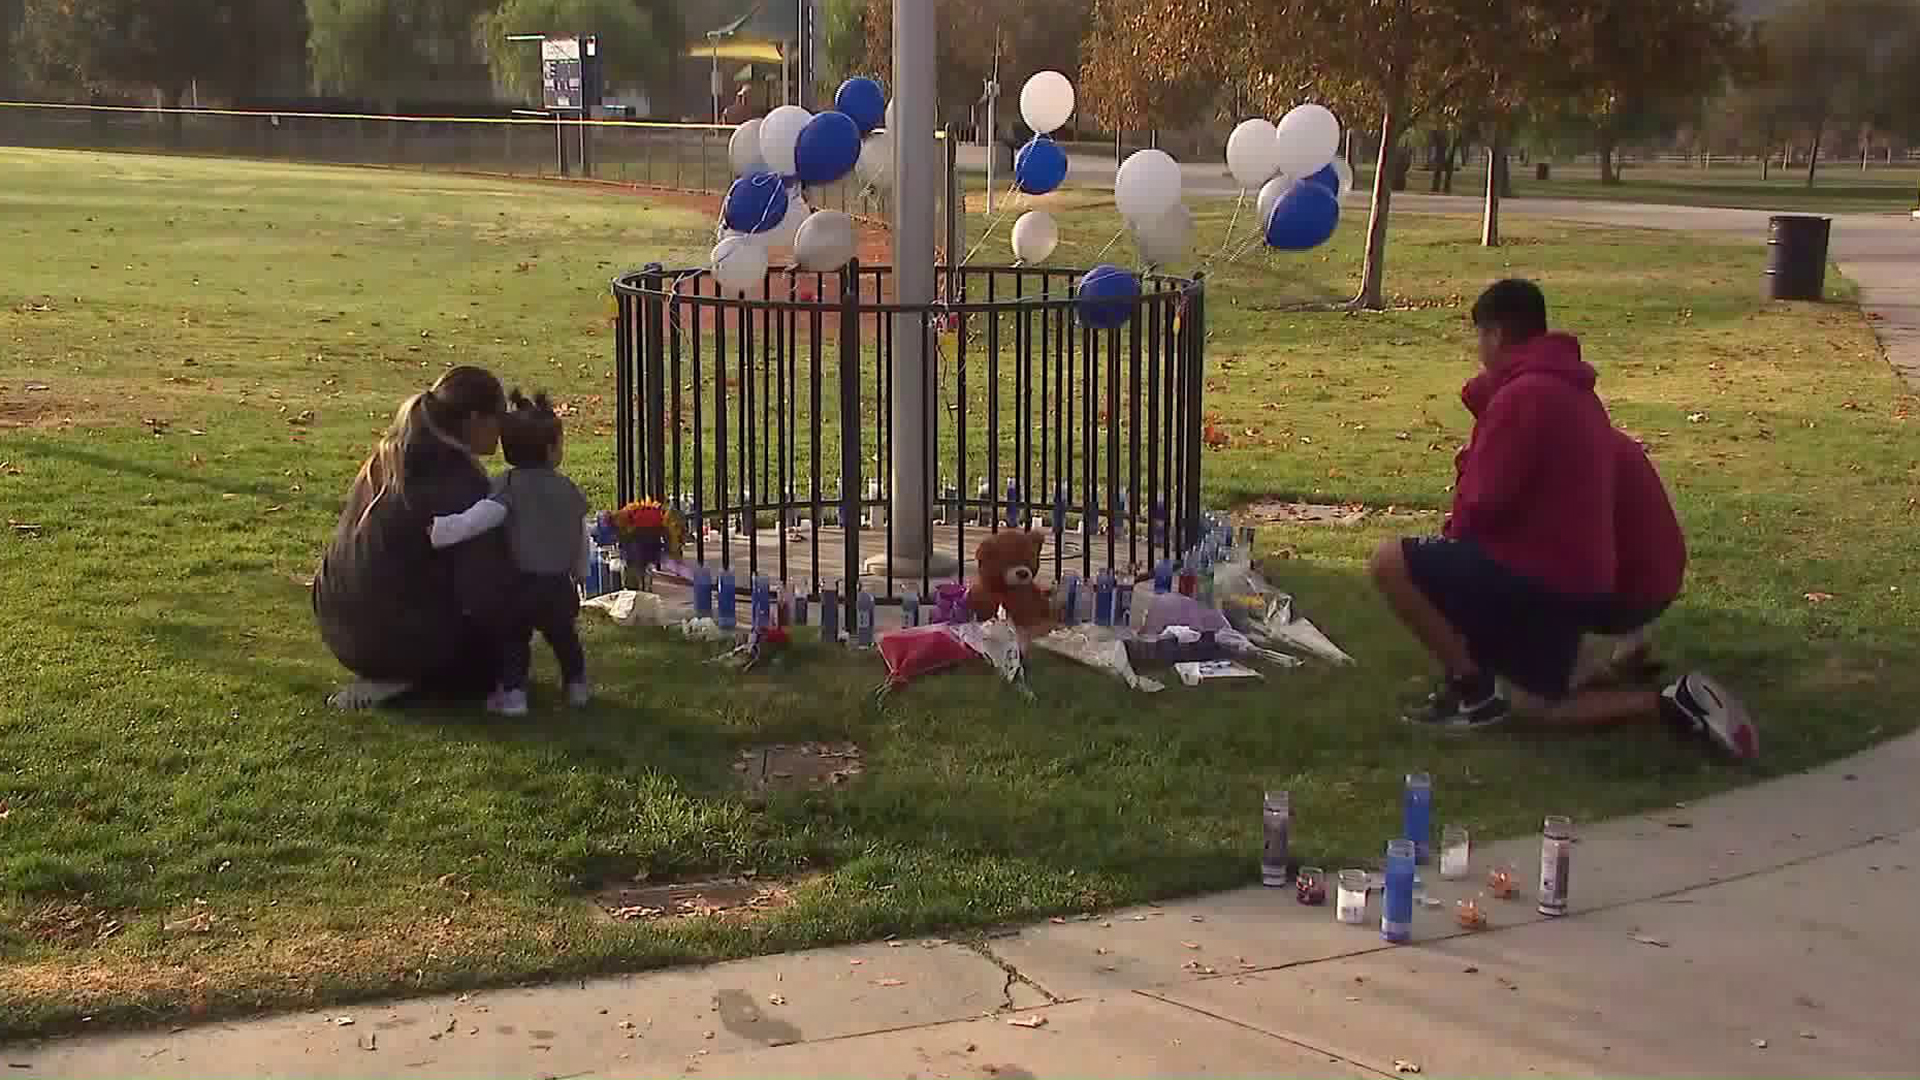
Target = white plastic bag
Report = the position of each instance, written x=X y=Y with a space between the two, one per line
x=630 y=608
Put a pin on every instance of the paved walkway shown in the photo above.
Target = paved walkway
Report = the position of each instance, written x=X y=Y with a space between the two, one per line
x=1761 y=933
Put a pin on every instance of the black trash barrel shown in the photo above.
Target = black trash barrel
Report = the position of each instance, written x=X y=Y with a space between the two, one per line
x=1797 y=256
x=1543 y=171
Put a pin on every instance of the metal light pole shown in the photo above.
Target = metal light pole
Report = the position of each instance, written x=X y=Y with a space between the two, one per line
x=916 y=180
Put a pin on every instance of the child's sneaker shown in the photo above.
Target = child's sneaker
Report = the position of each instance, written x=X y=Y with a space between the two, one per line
x=1699 y=706
x=507 y=703
x=579 y=694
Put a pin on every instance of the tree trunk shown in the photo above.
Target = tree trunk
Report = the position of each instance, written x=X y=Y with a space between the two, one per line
x=1504 y=168
x=1608 y=176
x=1766 y=161
x=1402 y=168
x=1490 y=218
x=1374 y=270
x=1813 y=155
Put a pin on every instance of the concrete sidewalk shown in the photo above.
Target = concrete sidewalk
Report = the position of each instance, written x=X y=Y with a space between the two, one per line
x=1761 y=933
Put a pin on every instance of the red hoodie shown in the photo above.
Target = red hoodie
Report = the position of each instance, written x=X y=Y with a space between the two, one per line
x=1652 y=550
x=1536 y=481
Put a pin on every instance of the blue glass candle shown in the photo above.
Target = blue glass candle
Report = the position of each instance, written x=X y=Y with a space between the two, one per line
x=1396 y=914
x=762 y=602
x=799 y=614
x=910 y=609
x=1013 y=504
x=726 y=605
x=1103 y=599
x=1163 y=577
x=863 y=620
x=702 y=592
x=830 y=614
x=1070 y=601
x=1417 y=815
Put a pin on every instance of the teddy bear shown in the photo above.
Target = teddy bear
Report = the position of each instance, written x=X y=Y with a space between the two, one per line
x=1006 y=566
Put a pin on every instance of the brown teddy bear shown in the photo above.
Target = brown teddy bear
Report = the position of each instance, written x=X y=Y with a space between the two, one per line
x=1007 y=563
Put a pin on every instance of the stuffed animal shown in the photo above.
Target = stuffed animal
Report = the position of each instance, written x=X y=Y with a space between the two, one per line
x=1004 y=578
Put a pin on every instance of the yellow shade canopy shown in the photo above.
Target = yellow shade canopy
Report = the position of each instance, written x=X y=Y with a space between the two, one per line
x=752 y=52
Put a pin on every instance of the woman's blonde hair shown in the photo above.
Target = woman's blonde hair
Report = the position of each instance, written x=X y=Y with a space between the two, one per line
x=457 y=396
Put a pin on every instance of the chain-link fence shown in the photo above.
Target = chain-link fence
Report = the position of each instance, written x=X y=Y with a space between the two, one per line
x=679 y=157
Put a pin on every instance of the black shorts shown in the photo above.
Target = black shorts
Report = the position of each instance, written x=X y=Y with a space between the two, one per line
x=1515 y=628
x=1616 y=617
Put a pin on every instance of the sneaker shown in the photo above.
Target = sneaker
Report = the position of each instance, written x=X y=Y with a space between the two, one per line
x=1699 y=706
x=507 y=703
x=579 y=694
x=1462 y=704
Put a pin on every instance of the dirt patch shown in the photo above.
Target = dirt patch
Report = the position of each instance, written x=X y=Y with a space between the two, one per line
x=727 y=897
x=70 y=925
x=1281 y=512
x=1845 y=672
x=805 y=766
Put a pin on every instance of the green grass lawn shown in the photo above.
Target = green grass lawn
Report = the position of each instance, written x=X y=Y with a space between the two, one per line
x=195 y=354
x=1839 y=186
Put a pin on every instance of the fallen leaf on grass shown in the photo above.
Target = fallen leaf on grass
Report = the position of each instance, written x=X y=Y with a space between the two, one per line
x=776 y=999
x=1057 y=921
x=1759 y=1044
x=891 y=982
x=1819 y=597
x=1400 y=1066
x=1028 y=1021
x=1653 y=941
x=1190 y=944
x=856 y=962
x=343 y=1021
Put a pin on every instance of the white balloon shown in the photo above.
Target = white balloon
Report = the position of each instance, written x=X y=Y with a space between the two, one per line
x=889 y=124
x=1046 y=102
x=1035 y=235
x=1345 y=172
x=1270 y=193
x=1167 y=238
x=825 y=241
x=1309 y=137
x=1147 y=185
x=875 y=167
x=1253 y=152
x=780 y=133
x=783 y=234
x=739 y=264
x=744 y=149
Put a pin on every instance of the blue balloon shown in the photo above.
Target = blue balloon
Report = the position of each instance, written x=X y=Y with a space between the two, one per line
x=1304 y=218
x=1328 y=178
x=1040 y=166
x=828 y=147
x=755 y=203
x=1107 y=298
x=863 y=99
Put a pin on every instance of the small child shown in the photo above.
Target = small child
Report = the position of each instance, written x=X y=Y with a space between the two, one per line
x=545 y=515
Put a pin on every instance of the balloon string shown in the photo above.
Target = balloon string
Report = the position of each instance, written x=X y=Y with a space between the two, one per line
x=1005 y=209
x=1110 y=243
x=1227 y=240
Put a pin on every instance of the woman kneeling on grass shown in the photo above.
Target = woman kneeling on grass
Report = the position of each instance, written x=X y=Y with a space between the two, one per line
x=403 y=617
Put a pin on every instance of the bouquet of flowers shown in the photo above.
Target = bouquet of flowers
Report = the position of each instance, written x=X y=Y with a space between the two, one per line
x=646 y=533
x=766 y=643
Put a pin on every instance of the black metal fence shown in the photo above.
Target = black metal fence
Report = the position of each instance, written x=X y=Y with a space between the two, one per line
x=769 y=420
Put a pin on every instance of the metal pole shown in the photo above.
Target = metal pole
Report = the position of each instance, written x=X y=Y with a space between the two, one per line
x=916 y=185
x=713 y=44
x=786 y=78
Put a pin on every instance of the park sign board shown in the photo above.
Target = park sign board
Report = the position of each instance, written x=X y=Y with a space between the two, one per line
x=569 y=73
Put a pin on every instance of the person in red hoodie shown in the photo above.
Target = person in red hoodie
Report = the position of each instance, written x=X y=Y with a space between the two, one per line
x=1528 y=561
x=1650 y=564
